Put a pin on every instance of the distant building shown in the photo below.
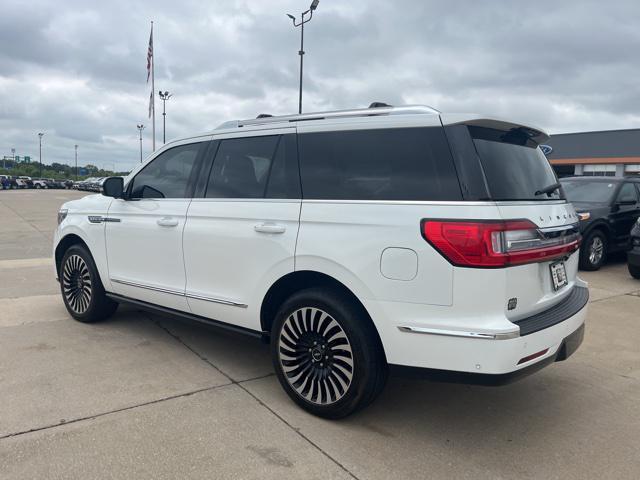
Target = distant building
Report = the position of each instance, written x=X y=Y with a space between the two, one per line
x=604 y=153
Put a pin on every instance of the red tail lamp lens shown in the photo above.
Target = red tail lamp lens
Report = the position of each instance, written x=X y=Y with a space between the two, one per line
x=494 y=244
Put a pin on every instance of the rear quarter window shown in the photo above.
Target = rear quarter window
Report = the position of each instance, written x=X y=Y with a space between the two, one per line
x=379 y=164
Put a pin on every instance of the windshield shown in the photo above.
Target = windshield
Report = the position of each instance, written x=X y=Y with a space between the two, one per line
x=592 y=192
x=514 y=166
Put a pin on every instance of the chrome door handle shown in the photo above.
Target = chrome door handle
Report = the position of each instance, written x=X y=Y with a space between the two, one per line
x=270 y=228
x=167 y=222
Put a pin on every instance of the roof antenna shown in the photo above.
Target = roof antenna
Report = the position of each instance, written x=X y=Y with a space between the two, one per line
x=264 y=115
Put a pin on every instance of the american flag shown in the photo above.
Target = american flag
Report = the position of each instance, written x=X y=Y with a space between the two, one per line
x=149 y=54
x=150 y=104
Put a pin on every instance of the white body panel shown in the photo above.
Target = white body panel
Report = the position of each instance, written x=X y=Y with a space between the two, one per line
x=214 y=262
x=144 y=250
x=234 y=251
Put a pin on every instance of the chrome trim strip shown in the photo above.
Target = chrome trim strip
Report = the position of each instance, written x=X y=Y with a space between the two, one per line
x=404 y=202
x=216 y=300
x=170 y=291
x=100 y=219
x=569 y=226
x=454 y=333
x=180 y=293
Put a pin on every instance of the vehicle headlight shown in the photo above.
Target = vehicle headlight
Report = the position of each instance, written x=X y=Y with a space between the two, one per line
x=62 y=214
x=584 y=216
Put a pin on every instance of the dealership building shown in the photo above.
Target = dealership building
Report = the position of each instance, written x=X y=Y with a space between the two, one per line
x=605 y=153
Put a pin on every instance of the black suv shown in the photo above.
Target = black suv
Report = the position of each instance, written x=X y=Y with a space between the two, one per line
x=608 y=207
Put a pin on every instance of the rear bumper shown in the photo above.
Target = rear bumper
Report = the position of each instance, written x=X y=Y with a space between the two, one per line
x=568 y=346
x=538 y=341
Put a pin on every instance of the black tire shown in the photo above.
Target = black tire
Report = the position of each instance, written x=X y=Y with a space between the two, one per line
x=81 y=288
x=324 y=367
x=593 y=252
x=634 y=271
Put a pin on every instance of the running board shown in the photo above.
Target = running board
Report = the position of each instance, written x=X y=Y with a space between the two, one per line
x=190 y=317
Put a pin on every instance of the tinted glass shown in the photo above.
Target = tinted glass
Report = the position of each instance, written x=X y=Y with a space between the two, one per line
x=587 y=191
x=284 y=179
x=167 y=176
x=391 y=164
x=514 y=167
x=241 y=167
x=627 y=193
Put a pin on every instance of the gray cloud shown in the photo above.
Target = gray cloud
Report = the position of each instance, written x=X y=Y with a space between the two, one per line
x=76 y=69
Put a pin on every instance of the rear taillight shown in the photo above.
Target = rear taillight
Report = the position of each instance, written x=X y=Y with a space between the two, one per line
x=494 y=244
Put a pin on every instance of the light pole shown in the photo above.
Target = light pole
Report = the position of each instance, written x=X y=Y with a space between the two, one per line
x=303 y=20
x=40 y=135
x=76 y=148
x=13 y=157
x=140 y=128
x=164 y=96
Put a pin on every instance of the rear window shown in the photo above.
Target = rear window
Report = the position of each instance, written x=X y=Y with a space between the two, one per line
x=380 y=164
x=514 y=167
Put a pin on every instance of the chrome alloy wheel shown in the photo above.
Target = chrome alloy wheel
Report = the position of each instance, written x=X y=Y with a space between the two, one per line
x=596 y=250
x=315 y=355
x=76 y=284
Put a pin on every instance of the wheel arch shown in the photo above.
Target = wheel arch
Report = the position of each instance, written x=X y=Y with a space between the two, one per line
x=63 y=245
x=602 y=227
x=299 y=280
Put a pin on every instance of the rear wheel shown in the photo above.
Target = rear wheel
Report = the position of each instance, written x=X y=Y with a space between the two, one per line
x=634 y=271
x=326 y=353
x=82 y=290
x=593 y=252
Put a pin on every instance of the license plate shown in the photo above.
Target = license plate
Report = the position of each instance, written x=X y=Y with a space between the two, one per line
x=558 y=275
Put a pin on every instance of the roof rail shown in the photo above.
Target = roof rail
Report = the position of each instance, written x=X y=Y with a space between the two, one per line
x=359 y=112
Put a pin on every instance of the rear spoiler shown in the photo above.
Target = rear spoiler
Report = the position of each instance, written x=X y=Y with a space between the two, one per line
x=536 y=134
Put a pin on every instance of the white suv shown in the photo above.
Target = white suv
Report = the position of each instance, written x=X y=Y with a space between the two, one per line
x=353 y=241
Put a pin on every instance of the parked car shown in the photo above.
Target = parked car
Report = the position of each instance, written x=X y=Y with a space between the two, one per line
x=608 y=208
x=12 y=183
x=53 y=183
x=85 y=184
x=6 y=182
x=68 y=184
x=40 y=183
x=354 y=241
x=24 y=182
x=633 y=255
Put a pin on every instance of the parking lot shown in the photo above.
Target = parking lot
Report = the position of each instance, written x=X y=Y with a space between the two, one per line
x=141 y=396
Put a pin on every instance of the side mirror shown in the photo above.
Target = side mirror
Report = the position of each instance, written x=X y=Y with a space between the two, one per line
x=113 y=187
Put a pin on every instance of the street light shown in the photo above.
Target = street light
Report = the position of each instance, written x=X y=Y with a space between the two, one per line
x=40 y=135
x=140 y=128
x=164 y=96
x=303 y=20
x=76 y=148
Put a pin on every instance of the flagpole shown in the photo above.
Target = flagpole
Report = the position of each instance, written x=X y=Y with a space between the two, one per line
x=153 y=90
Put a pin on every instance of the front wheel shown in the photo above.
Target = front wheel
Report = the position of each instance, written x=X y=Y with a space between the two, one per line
x=327 y=354
x=81 y=288
x=593 y=252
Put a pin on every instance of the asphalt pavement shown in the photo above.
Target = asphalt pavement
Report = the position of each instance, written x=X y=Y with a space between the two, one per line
x=140 y=396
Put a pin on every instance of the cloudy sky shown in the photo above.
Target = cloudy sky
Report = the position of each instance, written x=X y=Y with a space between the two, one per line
x=76 y=69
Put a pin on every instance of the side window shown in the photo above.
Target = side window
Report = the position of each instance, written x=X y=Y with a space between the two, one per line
x=385 y=164
x=167 y=176
x=255 y=167
x=627 y=193
x=284 y=179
